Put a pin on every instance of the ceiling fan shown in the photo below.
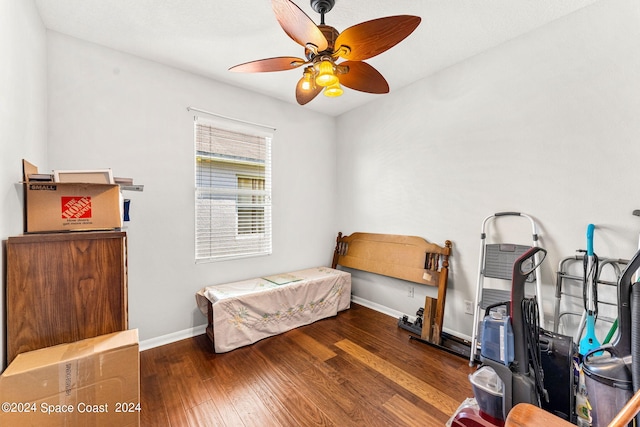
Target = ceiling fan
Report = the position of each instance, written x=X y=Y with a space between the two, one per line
x=325 y=46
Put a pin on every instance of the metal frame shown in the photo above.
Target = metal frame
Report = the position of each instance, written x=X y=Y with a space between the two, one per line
x=562 y=275
x=482 y=266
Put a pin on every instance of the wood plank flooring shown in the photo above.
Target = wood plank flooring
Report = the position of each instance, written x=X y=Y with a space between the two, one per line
x=356 y=369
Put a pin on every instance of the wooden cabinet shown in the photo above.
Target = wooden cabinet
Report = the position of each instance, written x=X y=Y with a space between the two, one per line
x=64 y=287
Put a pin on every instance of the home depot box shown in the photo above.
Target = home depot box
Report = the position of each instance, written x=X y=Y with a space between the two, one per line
x=62 y=206
x=93 y=382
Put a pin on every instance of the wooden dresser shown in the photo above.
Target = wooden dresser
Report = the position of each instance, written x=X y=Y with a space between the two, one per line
x=64 y=287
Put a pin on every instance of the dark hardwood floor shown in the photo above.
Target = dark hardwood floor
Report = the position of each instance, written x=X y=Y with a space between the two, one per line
x=356 y=369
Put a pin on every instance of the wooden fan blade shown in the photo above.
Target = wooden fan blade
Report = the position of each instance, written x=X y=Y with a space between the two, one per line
x=371 y=38
x=303 y=96
x=298 y=25
x=363 y=77
x=280 y=63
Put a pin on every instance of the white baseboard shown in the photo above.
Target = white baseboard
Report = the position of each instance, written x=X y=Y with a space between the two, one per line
x=172 y=337
x=199 y=330
x=396 y=314
x=377 y=307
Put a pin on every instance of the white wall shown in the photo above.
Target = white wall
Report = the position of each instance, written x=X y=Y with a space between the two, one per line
x=22 y=116
x=546 y=124
x=109 y=109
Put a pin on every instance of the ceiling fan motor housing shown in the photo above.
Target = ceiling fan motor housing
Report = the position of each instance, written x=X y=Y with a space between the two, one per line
x=331 y=34
x=322 y=6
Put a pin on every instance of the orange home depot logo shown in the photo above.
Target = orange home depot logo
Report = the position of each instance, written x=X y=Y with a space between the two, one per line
x=76 y=207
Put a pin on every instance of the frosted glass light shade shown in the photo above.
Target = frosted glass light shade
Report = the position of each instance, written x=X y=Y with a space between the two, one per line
x=333 y=90
x=325 y=76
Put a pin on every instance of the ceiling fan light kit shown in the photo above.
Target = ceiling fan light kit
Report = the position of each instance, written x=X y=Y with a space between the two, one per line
x=333 y=90
x=308 y=82
x=325 y=72
x=325 y=46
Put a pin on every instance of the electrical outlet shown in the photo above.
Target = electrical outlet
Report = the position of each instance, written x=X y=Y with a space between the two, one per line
x=468 y=307
x=411 y=292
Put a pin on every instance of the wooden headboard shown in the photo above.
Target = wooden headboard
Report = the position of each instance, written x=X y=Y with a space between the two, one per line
x=403 y=257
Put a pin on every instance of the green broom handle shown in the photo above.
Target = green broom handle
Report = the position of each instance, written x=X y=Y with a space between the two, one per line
x=611 y=332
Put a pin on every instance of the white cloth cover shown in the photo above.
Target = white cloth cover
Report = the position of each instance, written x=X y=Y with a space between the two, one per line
x=247 y=311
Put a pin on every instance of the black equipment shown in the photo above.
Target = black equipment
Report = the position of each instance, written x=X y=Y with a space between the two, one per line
x=612 y=379
x=557 y=364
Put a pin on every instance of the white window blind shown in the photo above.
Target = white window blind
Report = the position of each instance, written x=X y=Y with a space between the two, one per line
x=233 y=191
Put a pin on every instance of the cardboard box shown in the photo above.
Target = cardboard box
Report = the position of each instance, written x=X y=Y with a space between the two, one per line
x=64 y=206
x=93 y=382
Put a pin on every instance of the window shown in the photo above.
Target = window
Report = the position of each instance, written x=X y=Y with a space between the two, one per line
x=250 y=207
x=233 y=190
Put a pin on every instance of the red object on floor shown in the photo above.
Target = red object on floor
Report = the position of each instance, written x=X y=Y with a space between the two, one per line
x=471 y=417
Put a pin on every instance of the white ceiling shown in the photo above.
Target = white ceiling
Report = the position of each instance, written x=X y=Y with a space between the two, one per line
x=207 y=37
